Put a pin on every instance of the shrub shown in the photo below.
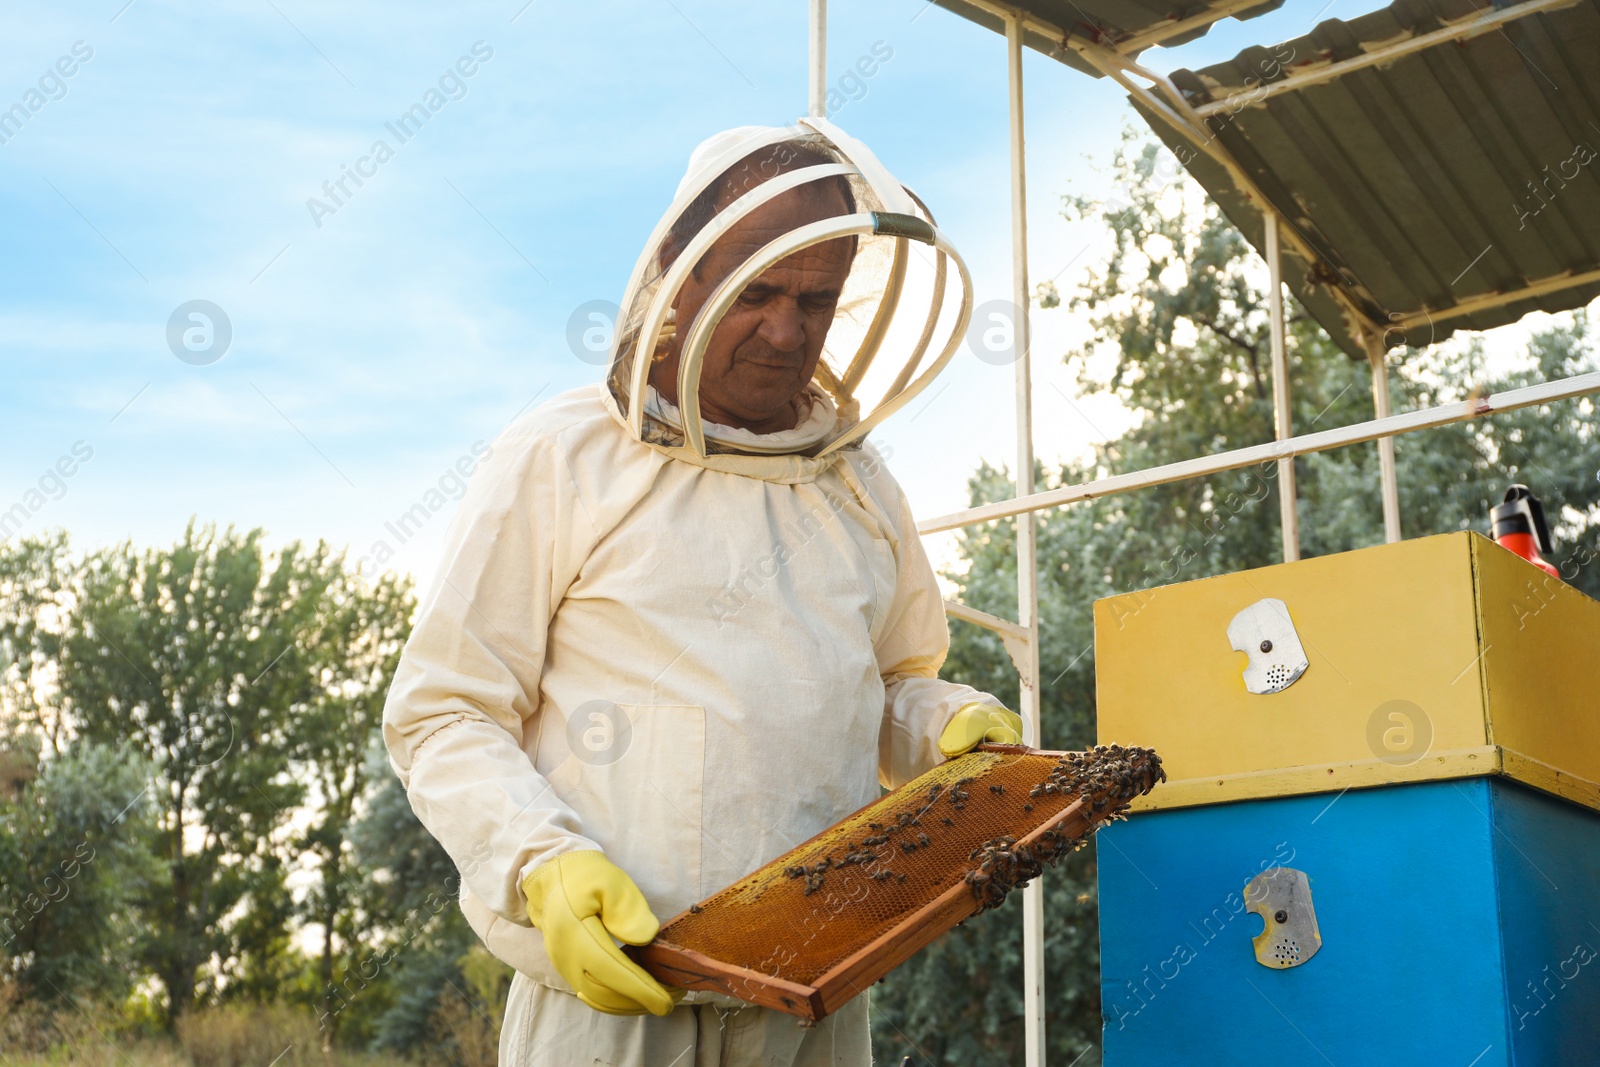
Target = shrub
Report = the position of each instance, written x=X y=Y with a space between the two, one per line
x=248 y=1035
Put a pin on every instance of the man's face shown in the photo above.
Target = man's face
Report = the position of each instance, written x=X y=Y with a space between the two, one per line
x=762 y=354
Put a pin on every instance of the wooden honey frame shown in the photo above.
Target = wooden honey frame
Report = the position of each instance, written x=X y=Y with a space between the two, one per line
x=686 y=968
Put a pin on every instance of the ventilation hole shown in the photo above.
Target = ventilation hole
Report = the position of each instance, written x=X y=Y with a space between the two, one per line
x=1278 y=677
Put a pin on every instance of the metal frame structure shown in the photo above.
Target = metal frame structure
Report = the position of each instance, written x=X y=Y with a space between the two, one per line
x=1269 y=452
x=1163 y=100
x=1183 y=117
x=1288 y=499
x=1027 y=529
x=1469 y=27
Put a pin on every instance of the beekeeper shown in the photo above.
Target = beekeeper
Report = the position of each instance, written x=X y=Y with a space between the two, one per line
x=684 y=621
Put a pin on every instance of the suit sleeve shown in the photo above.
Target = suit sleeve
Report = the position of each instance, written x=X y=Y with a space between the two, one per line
x=917 y=703
x=467 y=687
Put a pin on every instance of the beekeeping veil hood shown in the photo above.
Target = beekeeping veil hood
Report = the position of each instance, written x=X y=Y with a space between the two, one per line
x=898 y=321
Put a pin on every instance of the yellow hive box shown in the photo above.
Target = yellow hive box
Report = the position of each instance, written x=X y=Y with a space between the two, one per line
x=1443 y=657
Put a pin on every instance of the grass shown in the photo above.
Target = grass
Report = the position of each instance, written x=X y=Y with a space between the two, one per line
x=234 y=1036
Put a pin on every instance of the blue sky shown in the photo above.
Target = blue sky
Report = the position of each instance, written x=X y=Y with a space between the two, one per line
x=370 y=353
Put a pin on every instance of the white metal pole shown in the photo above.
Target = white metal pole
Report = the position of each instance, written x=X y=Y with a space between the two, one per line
x=818 y=88
x=1027 y=548
x=1287 y=498
x=1387 y=477
x=1272 y=451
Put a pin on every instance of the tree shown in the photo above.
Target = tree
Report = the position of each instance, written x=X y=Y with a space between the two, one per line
x=33 y=587
x=195 y=659
x=246 y=688
x=1180 y=306
x=391 y=993
x=359 y=634
x=73 y=847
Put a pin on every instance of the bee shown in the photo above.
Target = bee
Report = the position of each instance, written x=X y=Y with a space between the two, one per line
x=922 y=839
x=947 y=822
x=695 y=909
x=1027 y=807
x=884 y=875
x=899 y=879
x=998 y=790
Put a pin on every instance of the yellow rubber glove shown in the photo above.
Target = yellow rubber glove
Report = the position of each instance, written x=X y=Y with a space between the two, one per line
x=976 y=723
x=580 y=901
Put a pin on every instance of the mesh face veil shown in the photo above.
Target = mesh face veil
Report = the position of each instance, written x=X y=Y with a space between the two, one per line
x=900 y=315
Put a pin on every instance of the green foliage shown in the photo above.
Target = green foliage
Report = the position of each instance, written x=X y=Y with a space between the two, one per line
x=220 y=688
x=247 y=684
x=358 y=637
x=470 y=1013
x=175 y=654
x=1179 y=308
x=33 y=585
x=420 y=935
x=72 y=847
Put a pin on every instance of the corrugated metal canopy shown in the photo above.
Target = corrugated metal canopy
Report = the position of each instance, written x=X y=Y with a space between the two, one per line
x=1453 y=186
x=1129 y=26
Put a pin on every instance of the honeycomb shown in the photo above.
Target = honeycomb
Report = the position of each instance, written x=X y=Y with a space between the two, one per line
x=801 y=916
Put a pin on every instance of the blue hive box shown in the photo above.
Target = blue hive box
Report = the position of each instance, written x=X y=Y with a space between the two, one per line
x=1406 y=735
x=1458 y=922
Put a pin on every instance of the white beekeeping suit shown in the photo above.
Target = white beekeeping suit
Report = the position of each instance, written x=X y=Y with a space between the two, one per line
x=689 y=646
